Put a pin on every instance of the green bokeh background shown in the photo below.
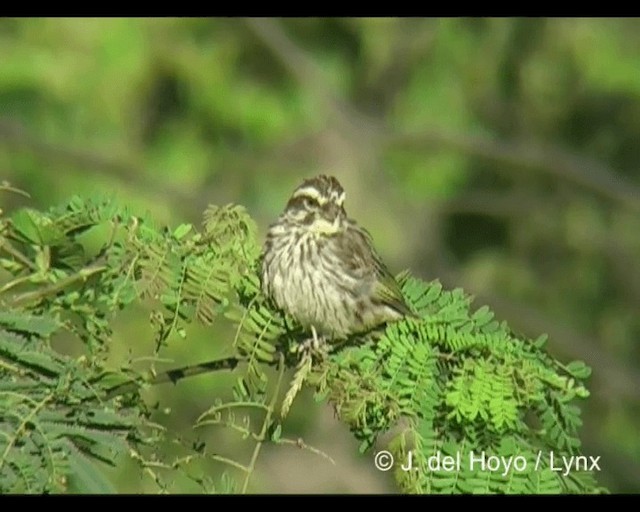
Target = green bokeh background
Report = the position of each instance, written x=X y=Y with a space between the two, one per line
x=499 y=155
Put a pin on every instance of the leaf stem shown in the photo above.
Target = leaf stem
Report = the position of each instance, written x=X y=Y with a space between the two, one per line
x=265 y=426
x=82 y=275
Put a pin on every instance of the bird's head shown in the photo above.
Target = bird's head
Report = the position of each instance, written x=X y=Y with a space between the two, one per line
x=317 y=205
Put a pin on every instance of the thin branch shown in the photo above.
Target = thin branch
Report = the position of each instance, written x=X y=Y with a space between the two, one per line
x=5 y=185
x=265 y=424
x=299 y=443
x=175 y=375
x=230 y=405
x=230 y=462
x=6 y=246
x=82 y=275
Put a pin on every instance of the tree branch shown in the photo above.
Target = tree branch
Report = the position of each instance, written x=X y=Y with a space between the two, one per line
x=175 y=375
x=82 y=275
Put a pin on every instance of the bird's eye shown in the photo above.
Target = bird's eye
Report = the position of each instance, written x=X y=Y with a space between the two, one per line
x=309 y=202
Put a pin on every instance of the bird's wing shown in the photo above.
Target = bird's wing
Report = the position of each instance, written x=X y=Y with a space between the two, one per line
x=363 y=262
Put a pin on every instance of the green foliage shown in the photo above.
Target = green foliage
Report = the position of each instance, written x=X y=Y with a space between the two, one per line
x=54 y=424
x=505 y=151
x=463 y=384
x=456 y=382
x=56 y=417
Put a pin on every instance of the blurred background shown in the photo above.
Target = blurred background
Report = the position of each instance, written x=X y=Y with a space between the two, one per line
x=497 y=155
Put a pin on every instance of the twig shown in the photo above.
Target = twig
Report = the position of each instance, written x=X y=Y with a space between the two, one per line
x=5 y=185
x=299 y=443
x=175 y=375
x=82 y=275
x=6 y=246
x=265 y=425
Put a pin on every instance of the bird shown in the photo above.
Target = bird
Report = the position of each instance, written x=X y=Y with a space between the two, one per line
x=320 y=266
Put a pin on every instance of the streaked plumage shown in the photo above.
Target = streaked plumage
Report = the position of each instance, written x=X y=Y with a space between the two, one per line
x=321 y=268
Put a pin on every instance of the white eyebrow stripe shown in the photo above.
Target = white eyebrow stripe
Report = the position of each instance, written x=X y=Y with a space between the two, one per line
x=308 y=192
x=311 y=192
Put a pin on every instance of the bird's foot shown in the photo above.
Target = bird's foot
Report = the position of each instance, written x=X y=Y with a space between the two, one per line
x=316 y=346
